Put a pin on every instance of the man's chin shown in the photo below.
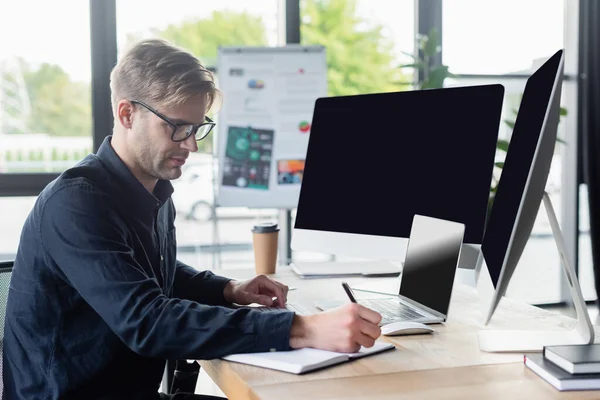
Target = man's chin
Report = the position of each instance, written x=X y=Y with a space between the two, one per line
x=170 y=174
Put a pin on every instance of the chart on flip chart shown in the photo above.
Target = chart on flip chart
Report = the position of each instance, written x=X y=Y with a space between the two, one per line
x=264 y=122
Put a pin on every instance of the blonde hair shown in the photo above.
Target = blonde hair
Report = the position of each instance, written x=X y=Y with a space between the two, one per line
x=159 y=73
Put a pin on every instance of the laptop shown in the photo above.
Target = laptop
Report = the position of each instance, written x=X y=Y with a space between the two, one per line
x=427 y=277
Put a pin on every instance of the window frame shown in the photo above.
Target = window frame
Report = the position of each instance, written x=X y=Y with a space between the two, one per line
x=428 y=14
x=103 y=37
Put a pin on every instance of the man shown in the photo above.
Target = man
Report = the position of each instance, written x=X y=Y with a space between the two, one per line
x=98 y=300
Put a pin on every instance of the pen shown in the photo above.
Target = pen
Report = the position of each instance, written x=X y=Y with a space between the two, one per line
x=349 y=292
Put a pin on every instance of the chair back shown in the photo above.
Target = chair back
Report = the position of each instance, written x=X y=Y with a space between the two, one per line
x=5 y=274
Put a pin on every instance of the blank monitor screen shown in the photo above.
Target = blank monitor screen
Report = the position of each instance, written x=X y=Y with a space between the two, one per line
x=517 y=166
x=376 y=160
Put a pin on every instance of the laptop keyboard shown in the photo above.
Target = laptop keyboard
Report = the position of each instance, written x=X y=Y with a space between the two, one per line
x=391 y=310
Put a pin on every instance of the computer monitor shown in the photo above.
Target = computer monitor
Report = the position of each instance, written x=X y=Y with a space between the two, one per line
x=375 y=160
x=521 y=189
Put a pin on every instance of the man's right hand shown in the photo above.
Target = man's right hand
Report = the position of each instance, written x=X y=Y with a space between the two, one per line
x=343 y=329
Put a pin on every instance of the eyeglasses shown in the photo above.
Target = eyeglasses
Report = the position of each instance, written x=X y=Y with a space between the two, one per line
x=182 y=131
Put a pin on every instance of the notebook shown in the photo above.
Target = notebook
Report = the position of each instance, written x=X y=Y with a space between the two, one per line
x=304 y=360
x=559 y=378
x=330 y=269
x=576 y=358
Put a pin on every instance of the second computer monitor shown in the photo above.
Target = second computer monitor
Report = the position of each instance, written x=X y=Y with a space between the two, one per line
x=524 y=175
x=376 y=160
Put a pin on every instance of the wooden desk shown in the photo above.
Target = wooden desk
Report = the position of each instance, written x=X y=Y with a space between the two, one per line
x=444 y=365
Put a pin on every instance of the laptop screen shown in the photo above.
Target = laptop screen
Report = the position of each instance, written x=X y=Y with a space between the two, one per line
x=431 y=261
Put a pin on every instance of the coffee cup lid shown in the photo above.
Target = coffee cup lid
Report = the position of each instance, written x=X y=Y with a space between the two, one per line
x=265 y=227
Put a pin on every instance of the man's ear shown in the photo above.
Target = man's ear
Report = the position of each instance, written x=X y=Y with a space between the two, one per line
x=125 y=113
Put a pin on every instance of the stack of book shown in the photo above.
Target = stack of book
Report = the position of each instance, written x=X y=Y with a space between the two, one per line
x=569 y=367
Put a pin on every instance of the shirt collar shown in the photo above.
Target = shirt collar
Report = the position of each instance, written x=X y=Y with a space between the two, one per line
x=130 y=189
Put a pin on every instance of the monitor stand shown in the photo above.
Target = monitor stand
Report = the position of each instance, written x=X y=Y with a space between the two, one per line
x=532 y=341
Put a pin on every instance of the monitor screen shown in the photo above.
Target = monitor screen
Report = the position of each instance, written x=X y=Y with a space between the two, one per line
x=517 y=167
x=376 y=160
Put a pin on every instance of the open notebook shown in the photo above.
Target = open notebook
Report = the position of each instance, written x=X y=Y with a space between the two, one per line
x=304 y=360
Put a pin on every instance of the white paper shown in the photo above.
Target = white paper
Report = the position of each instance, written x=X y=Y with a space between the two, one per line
x=303 y=360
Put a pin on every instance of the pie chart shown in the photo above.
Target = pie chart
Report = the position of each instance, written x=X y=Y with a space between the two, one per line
x=304 y=126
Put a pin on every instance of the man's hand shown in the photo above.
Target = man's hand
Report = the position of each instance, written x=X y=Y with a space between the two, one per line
x=343 y=329
x=259 y=289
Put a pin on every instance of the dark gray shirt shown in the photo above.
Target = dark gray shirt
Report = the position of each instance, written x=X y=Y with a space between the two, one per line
x=98 y=301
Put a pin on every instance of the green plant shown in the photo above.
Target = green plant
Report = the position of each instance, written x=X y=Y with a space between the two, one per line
x=433 y=76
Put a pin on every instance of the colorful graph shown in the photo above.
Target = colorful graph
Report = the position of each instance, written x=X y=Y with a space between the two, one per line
x=304 y=126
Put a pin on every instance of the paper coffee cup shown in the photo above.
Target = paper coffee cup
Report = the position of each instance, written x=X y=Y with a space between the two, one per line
x=264 y=240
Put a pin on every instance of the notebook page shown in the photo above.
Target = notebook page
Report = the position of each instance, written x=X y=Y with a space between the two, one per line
x=303 y=360
x=377 y=348
x=294 y=361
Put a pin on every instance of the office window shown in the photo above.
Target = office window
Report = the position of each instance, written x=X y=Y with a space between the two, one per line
x=14 y=212
x=200 y=26
x=207 y=237
x=45 y=99
x=364 y=40
x=500 y=37
x=586 y=266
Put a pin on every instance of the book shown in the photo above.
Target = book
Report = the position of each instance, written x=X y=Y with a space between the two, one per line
x=559 y=378
x=336 y=269
x=575 y=358
x=304 y=360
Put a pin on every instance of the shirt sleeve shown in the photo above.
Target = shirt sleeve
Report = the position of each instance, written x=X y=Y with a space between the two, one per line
x=203 y=287
x=87 y=245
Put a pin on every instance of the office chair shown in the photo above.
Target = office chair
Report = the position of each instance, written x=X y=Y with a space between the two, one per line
x=5 y=273
x=179 y=375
